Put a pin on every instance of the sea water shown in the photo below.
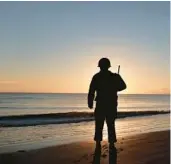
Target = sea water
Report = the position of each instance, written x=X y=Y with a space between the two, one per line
x=16 y=138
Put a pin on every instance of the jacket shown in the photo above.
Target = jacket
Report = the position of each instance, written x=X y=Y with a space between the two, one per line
x=105 y=85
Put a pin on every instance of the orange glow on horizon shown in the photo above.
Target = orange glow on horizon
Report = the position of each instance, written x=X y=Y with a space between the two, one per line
x=76 y=78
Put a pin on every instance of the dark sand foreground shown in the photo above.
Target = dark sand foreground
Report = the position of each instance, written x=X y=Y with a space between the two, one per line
x=150 y=148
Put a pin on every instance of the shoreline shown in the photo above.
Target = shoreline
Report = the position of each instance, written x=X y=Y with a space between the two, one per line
x=64 y=118
x=13 y=139
x=147 y=148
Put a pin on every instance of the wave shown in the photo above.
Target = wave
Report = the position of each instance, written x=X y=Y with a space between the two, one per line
x=61 y=118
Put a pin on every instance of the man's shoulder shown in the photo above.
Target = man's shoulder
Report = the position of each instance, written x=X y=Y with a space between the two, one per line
x=96 y=75
x=113 y=74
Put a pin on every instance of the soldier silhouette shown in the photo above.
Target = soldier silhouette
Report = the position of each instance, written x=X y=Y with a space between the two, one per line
x=106 y=85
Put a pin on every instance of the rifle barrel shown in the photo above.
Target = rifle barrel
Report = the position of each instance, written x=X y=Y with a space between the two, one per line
x=118 y=69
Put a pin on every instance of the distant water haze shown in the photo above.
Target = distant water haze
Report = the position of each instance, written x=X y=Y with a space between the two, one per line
x=22 y=103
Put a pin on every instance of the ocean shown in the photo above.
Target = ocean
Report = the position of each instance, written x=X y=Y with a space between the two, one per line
x=23 y=104
x=29 y=121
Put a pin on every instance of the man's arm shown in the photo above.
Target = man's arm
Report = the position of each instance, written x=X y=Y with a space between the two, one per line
x=121 y=84
x=91 y=93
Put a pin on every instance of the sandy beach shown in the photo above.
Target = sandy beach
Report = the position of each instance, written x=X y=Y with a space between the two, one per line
x=147 y=148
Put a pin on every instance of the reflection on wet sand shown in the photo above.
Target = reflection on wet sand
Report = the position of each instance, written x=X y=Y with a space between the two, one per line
x=112 y=154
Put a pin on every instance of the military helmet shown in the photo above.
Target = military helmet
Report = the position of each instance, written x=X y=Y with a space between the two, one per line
x=104 y=62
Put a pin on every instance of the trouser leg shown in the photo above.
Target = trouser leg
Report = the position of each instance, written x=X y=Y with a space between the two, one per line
x=111 y=129
x=99 y=123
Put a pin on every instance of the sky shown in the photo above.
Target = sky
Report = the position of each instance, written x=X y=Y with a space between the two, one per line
x=55 y=46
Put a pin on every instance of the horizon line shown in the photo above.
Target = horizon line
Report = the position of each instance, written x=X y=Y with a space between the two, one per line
x=82 y=93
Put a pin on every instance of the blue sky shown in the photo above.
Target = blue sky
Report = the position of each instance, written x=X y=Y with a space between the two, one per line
x=60 y=43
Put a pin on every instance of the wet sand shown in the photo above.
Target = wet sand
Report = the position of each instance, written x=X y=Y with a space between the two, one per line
x=149 y=148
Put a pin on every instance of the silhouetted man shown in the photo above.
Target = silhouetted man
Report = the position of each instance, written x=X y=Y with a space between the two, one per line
x=106 y=85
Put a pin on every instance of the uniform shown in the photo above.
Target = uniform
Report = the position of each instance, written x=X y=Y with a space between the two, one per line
x=106 y=85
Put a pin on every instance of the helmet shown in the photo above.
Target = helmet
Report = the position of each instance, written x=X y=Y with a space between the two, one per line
x=104 y=62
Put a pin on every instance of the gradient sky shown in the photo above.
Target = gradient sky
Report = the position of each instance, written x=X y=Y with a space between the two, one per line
x=55 y=46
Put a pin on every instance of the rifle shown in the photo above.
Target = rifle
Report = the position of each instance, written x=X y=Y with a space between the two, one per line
x=118 y=69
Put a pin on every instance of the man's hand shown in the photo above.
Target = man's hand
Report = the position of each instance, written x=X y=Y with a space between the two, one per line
x=90 y=106
x=91 y=93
